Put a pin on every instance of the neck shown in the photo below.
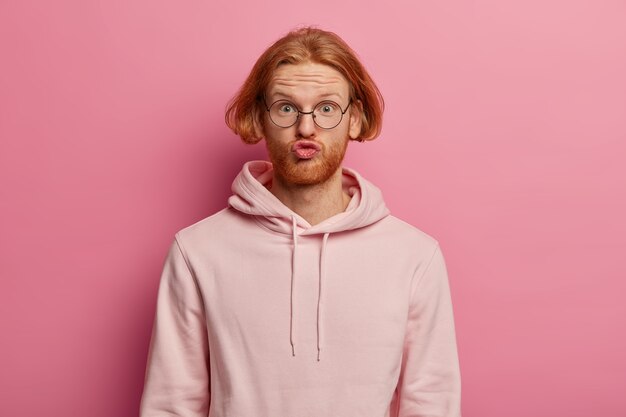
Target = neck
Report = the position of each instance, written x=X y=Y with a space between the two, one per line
x=315 y=203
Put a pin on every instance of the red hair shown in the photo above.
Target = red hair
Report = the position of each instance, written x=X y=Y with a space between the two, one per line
x=301 y=46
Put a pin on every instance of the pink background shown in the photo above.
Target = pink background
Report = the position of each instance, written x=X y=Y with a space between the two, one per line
x=504 y=138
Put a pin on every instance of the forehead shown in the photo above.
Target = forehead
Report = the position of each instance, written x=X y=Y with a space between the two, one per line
x=307 y=79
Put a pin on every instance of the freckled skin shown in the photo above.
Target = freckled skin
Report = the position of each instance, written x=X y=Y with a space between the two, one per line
x=306 y=85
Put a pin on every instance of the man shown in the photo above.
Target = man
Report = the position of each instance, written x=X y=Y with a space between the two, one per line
x=304 y=297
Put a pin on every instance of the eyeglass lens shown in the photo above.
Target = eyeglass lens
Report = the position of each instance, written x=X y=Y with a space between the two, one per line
x=326 y=114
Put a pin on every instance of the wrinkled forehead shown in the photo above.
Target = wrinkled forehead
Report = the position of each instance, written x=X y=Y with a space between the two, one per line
x=307 y=80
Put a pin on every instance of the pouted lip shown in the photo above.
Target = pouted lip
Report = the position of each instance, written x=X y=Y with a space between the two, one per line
x=303 y=144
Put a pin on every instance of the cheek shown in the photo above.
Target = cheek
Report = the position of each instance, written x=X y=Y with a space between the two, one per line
x=276 y=133
x=276 y=143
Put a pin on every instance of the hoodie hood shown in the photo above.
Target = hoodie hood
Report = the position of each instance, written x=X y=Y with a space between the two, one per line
x=251 y=196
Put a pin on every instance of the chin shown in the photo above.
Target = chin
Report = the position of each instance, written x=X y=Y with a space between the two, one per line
x=308 y=172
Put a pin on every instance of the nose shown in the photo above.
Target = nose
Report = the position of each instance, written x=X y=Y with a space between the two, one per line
x=305 y=125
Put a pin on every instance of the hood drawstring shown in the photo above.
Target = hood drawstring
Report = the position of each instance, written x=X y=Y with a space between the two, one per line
x=293 y=273
x=319 y=295
x=322 y=271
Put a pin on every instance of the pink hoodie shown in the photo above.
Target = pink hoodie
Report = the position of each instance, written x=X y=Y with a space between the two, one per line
x=260 y=314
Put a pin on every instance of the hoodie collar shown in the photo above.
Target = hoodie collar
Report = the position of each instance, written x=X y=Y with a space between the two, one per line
x=250 y=196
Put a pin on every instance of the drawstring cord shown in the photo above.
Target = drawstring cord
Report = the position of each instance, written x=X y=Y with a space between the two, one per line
x=319 y=290
x=319 y=295
x=293 y=273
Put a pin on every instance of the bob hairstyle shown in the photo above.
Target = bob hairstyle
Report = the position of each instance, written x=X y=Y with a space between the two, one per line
x=302 y=46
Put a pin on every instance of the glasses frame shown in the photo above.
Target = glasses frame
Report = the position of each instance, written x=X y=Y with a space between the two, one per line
x=267 y=108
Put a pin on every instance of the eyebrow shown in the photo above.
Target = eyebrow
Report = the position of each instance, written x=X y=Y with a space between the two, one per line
x=321 y=96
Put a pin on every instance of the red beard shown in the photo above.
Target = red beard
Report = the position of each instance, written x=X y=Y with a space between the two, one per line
x=293 y=170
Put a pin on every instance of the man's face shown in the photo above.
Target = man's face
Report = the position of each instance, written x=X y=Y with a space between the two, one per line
x=305 y=153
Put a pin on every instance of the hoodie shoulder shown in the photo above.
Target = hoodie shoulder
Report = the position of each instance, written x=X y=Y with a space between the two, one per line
x=409 y=233
x=210 y=228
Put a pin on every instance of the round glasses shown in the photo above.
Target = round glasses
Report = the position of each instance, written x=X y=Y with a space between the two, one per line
x=326 y=114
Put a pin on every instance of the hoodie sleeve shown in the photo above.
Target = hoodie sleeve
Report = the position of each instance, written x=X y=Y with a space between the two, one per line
x=430 y=381
x=177 y=371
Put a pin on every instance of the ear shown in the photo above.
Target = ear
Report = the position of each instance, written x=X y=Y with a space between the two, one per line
x=258 y=125
x=356 y=119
